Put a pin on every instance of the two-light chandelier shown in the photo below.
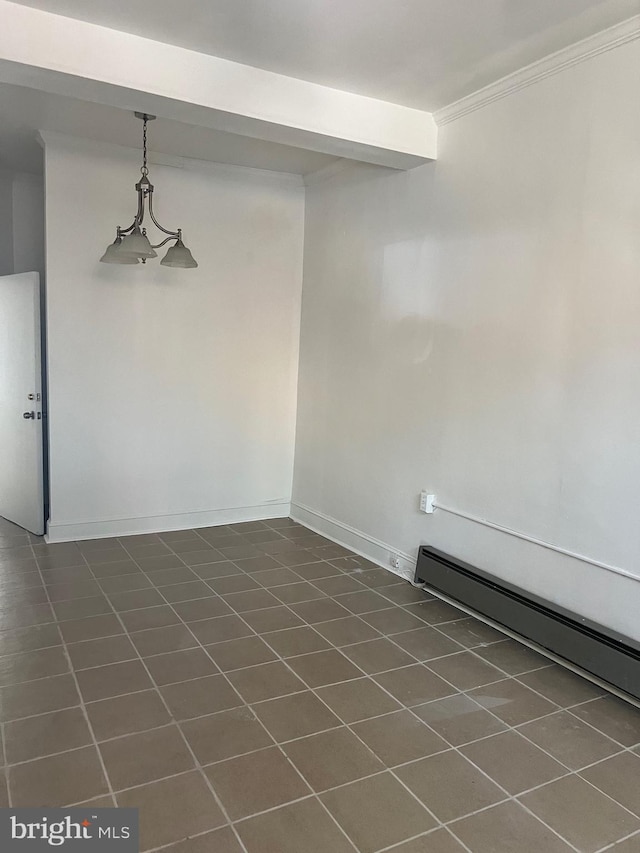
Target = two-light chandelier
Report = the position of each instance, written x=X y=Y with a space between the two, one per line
x=132 y=244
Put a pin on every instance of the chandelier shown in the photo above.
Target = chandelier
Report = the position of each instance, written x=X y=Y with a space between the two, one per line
x=132 y=244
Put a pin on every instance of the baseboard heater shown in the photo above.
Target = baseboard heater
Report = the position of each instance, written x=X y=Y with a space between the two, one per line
x=595 y=649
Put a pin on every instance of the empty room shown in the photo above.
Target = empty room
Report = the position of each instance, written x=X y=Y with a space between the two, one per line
x=319 y=529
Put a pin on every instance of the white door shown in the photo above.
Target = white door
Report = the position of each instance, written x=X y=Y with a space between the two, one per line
x=21 y=467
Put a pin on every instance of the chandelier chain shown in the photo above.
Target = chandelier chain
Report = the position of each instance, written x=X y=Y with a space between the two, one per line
x=144 y=169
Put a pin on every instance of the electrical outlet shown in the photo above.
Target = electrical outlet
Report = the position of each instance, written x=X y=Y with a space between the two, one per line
x=427 y=502
x=394 y=562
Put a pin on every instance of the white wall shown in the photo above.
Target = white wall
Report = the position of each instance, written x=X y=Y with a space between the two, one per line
x=28 y=223
x=172 y=393
x=472 y=328
x=6 y=222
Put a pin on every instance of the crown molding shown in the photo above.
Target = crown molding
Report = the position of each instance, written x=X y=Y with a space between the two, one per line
x=594 y=45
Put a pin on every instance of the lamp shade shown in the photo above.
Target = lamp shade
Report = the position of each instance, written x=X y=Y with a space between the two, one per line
x=114 y=254
x=137 y=245
x=179 y=256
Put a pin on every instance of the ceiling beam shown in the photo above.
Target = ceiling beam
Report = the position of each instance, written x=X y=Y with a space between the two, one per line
x=82 y=60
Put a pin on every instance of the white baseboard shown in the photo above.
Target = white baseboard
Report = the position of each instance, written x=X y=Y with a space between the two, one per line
x=72 y=531
x=373 y=549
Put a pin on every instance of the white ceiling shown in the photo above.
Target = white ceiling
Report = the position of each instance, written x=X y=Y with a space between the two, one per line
x=23 y=112
x=419 y=53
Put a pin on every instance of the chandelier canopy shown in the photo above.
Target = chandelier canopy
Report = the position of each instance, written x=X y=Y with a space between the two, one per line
x=132 y=244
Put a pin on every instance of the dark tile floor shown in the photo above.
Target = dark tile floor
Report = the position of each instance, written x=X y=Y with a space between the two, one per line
x=258 y=688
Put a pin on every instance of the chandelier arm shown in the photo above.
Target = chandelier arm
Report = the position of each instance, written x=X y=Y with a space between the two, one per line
x=166 y=240
x=175 y=234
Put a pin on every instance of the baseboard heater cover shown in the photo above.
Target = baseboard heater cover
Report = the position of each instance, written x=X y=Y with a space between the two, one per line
x=597 y=650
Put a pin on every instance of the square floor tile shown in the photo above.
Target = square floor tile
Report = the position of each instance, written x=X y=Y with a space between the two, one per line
x=568 y=739
x=295 y=593
x=189 y=591
x=29 y=639
x=125 y=583
x=77 y=589
x=225 y=735
x=202 y=608
x=404 y=593
x=357 y=700
x=223 y=569
x=37 y=697
x=172 y=577
x=295 y=716
x=295 y=641
x=449 y=785
x=459 y=719
x=393 y=620
x=321 y=610
x=344 y=632
x=377 y=656
x=507 y=828
x=266 y=681
x=272 y=619
x=512 y=702
x=149 y=617
x=91 y=628
x=464 y=670
x=366 y=601
x=256 y=782
x=319 y=668
x=80 y=608
x=311 y=571
x=135 y=599
x=28 y=666
x=276 y=577
x=582 y=815
x=438 y=841
x=145 y=757
x=612 y=716
x=513 y=762
x=471 y=633
x=200 y=696
x=219 y=629
x=427 y=643
x=561 y=686
x=436 y=612
x=339 y=585
x=219 y=841
x=156 y=641
x=123 y=715
x=619 y=777
x=235 y=654
x=36 y=737
x=114 y=570
x=180 y=666
x=173 y=809
x=332 y=758
x=399 y=737
x=512 y=657
x=377 y=812
x=114 y=679
x=413 y=685
x=99 y=652
x=58 y=780
x=302 y=827
x=233 y=583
